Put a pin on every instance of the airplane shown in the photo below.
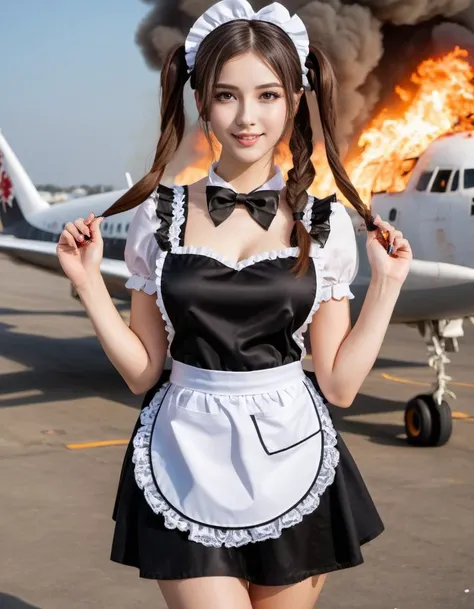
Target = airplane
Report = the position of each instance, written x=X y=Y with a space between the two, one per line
x=436 y=297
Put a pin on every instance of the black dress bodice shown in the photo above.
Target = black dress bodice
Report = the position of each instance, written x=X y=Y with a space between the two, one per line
x=228 y=319
x=230 y=316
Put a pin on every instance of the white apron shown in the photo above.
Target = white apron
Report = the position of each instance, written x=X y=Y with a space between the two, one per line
x=234 y=457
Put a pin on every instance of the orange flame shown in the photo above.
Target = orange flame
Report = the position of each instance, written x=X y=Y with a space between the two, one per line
x=442 y=102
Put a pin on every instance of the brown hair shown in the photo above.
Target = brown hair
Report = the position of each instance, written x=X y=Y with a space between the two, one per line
x=276 y=48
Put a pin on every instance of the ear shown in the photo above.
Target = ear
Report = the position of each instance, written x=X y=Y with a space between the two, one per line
x=297 y=98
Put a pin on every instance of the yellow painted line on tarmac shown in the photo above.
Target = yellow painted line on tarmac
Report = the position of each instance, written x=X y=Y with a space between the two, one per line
x=460 y=384
x=96 y=444
x=398 y=379
x=462 y=416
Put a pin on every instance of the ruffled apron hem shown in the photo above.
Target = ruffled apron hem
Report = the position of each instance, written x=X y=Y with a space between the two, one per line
x=254 y=396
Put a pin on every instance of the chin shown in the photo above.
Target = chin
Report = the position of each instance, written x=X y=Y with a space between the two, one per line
x=249 y=155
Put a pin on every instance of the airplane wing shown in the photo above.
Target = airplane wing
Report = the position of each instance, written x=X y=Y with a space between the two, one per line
x=433 y=290
x=43 y=254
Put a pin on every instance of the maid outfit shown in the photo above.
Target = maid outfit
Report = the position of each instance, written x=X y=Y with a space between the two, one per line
x=234 y=467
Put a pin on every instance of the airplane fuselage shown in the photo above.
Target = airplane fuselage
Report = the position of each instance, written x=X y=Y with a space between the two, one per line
x=436 y=210
x=438 y=227
x=47 y=225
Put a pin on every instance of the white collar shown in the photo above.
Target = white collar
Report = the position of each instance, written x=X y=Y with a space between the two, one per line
x=277 y=182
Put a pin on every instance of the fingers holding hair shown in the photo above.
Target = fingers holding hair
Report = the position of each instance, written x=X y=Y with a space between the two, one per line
x=73 y=230
x=386 y=233
x=94 y=228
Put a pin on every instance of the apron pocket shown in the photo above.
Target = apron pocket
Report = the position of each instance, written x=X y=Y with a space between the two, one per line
x=289 y=427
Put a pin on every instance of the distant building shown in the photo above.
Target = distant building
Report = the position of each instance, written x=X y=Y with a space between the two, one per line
x=56 y=197
x=76 y=193
x=57 y=194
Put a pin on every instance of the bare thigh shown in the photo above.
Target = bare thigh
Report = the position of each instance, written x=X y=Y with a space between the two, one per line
x=302 y=595
x=206 y=593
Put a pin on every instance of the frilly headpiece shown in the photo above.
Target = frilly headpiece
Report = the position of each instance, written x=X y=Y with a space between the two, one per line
x=230 y=10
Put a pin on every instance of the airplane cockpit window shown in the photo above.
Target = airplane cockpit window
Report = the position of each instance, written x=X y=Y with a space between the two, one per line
x=424 y=180
x=469 y=178
x=440 y=183
x=455 y=182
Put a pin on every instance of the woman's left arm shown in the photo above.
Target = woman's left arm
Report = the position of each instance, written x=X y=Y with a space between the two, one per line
x=343 y=357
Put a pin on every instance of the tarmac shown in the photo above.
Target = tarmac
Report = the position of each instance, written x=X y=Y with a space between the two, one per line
x=66 y=416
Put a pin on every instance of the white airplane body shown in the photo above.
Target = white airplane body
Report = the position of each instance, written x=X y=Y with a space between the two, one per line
x=436 y=210
x=437 y=295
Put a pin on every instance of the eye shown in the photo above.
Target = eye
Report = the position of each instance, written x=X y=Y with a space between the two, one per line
x=266 y=95
x=273 y=93
x=220 y=95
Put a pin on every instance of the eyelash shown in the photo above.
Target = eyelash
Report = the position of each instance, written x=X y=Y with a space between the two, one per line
x=275 y=95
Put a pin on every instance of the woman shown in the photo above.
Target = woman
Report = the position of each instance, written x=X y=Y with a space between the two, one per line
x=236 y=490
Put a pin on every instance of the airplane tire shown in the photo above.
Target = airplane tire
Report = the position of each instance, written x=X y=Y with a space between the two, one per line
x=426 y=423
x=442 y=423
x=418 y=422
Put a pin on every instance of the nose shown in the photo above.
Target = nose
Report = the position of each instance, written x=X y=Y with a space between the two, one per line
x=245 y=113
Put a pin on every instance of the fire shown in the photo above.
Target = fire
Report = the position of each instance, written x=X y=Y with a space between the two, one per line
x=441 y=102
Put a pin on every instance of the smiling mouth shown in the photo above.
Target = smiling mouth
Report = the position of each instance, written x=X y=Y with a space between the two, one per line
x=248 y=137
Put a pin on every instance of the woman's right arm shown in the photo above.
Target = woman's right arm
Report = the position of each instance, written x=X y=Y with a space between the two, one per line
x=138 y=352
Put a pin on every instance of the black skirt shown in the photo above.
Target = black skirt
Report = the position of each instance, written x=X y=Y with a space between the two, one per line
x=328 y=539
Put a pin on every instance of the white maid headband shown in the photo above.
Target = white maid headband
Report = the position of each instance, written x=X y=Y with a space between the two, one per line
x=230 y=10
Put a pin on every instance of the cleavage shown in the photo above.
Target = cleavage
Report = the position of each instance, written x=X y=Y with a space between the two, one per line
x=248 y=237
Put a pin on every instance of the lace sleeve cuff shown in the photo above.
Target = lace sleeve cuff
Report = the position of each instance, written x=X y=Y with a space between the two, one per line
x=137 y=282
x=336 y=291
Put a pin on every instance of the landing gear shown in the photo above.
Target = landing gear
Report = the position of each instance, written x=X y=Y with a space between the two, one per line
x=428 y=420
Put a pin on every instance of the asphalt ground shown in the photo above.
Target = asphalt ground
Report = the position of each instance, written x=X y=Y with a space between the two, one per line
x=65 y=416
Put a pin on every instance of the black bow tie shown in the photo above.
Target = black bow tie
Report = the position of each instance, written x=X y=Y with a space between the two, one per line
x=262 y=205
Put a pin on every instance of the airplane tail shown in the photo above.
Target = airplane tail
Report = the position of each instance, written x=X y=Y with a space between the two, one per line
x=19 y=198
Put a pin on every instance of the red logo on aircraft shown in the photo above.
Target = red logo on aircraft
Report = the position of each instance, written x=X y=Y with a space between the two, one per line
x=6 y=187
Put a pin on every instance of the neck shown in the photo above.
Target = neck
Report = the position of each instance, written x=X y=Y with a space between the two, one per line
x=245 y=177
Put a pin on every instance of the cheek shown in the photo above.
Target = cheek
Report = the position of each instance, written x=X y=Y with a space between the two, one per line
x=221 y=116
x=275 y=116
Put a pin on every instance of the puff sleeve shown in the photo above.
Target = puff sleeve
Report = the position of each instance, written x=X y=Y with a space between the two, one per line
x=340 y=260
x=141 y=248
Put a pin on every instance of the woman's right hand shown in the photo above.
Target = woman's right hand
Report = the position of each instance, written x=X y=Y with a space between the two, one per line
x=80 y=258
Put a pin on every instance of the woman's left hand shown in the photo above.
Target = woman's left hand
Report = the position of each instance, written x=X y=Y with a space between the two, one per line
x=393 y=266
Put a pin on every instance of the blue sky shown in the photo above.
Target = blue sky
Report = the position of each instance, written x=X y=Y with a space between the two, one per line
x=78 y=103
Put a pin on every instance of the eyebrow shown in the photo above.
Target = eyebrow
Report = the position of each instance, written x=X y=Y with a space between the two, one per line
x=267 y=86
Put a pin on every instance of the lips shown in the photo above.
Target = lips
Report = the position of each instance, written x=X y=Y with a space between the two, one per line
x=247 y=135
x=247 y=141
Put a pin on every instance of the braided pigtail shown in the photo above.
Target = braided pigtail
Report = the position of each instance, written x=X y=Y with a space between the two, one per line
x=323 y=81
x=173 y=79
x=300 y=177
